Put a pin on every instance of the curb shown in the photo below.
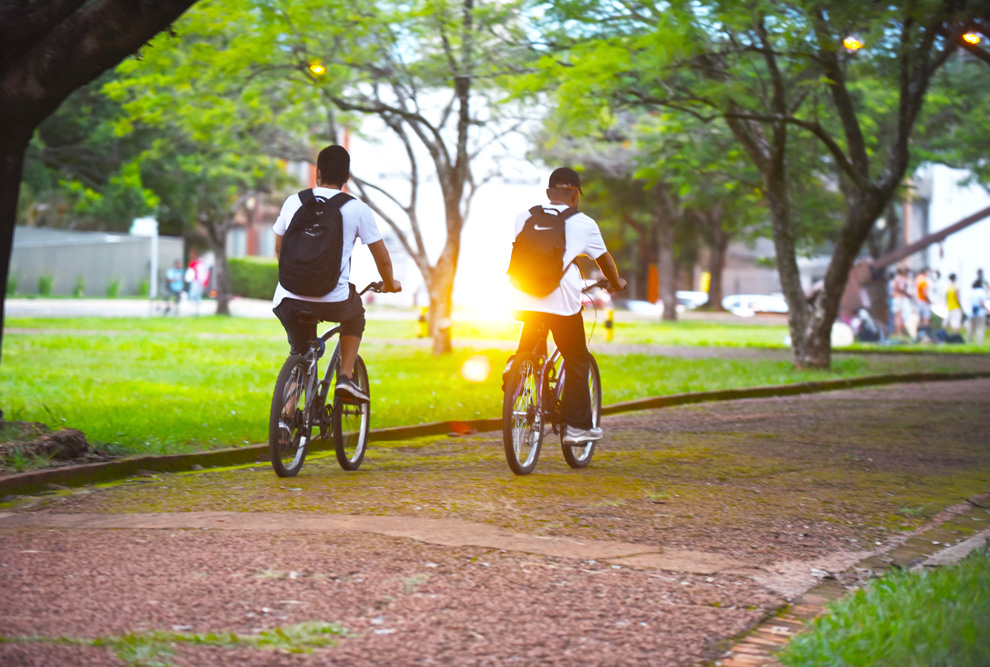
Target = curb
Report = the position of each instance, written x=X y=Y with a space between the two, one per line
x=43 y=480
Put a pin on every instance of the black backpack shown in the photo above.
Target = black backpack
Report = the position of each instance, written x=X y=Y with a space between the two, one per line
x=309 y=260
x=537 y=262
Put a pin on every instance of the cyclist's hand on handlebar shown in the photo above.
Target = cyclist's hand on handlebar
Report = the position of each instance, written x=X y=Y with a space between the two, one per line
x=617 y=287
x=394 y=286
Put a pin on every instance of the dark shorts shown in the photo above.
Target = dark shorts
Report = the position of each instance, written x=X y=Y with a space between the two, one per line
x=349 y=313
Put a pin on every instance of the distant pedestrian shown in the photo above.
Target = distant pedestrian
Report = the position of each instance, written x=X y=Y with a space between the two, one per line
x=922 y=288
x=979 y=306
x=175 y=284
x=197 y=277
x=952 y=304
x=900 y=301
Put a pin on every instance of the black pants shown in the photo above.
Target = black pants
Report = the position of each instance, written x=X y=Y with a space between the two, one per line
x=568 y=335
x=350 y=314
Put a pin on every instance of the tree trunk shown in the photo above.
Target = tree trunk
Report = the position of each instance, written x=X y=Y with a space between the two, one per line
x=12 y=147
x=716 y=265
x=441 y=287
x=663 y=221
x=220 y=280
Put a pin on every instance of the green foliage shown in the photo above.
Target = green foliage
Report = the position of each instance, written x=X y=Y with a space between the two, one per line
x=79 y=289
x=78 y=172
x=113 y=287
x=12 y=284
x=144 y=288
x=45 y=282
x=253 y=277
x=934 y=618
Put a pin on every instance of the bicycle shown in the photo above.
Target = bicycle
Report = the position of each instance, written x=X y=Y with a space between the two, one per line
x=299 y=406
x=533 y=388
x=166 y=303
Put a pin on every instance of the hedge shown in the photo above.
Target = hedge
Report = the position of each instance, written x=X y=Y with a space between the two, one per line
x=253 y=277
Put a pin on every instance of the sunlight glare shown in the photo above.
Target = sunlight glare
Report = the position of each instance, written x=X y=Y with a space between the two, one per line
x=476 y=368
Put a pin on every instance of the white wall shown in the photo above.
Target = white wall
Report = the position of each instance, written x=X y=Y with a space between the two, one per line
x=965 y=251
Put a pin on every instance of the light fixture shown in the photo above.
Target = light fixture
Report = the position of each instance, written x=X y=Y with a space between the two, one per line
x=317 y=68
x=852 y=43
x=971 y=38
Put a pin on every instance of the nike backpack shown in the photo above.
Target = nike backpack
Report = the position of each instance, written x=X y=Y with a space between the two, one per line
x=537 y=262
x=310 y=257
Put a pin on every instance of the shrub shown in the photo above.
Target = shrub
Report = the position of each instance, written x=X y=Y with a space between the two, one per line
x=253 y=277
x=11 y=285
x=144 y=288
x=80 y=287
x=113 y=289
x=45 y=282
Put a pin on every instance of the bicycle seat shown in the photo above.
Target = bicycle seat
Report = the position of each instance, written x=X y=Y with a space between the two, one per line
x=307 y=317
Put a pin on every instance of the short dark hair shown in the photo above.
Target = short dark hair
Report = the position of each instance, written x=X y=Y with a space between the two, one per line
x=334 y=163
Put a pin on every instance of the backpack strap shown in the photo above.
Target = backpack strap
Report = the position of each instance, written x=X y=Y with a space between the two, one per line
x=306 y=196
x=564 y=215
x=339 y=199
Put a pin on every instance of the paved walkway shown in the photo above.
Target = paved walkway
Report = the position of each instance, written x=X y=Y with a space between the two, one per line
x=691 y=526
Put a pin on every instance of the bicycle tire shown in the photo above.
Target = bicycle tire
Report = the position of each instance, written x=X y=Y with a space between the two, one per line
x=288 y=434
x=522 y=420
x=351 y=422
x=579 y=456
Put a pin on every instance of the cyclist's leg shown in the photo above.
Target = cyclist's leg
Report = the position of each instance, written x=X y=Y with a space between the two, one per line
x=568 y=335
x=350 y=314
x=298 y=333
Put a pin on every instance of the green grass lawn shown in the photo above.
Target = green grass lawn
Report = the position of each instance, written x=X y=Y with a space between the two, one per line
x=173 y=385
x=938 y=618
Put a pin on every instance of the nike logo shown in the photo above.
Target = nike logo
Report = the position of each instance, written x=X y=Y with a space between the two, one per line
x=541 y=229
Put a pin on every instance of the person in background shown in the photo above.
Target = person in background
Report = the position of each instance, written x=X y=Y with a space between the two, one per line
x=979 y=306
x=198 y=277
x=922 y=288
x=175 y=284
x=952 y=303
x=900 y=302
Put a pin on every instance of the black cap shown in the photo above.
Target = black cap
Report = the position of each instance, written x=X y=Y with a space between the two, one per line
x=566 y=178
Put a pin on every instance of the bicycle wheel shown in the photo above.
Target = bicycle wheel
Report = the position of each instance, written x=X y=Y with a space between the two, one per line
x=579 y=456
x=351 y=420
x=522 y=422
x=288 y=433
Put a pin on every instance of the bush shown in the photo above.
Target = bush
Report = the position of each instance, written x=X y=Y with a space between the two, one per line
x=80 y=288
x=45 y=282
x=144 y=288
x=253 y=277
x=11 y=285
x=113 y=289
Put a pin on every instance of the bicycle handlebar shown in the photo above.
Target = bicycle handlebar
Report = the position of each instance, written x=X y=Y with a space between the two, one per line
x=603 y=283
x=374 y=287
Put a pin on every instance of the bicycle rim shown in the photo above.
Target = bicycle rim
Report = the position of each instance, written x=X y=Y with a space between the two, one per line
x=579 y=455
x=288 y=433
x=351 y=421
x=522 y=423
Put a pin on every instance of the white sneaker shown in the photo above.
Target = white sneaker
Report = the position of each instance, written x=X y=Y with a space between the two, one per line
x=577 y=436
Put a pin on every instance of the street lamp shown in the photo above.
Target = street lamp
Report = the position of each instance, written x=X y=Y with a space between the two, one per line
x=852 y=43
x=971 y=38
x=317 y=68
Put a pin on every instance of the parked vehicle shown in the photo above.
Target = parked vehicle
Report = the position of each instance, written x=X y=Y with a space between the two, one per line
x=748 y=305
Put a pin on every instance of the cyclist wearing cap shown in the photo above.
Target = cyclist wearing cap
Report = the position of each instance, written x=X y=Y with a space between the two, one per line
x=560 y=311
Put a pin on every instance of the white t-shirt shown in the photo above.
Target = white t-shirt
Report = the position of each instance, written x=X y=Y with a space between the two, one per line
x=581 y=237
x=359 y=223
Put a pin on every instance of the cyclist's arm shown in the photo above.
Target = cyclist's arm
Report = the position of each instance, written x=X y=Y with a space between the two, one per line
x=384 y=263
x=278 y=245
x=611 y=273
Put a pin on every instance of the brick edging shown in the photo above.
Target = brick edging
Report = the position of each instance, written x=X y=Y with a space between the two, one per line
x=41 y=480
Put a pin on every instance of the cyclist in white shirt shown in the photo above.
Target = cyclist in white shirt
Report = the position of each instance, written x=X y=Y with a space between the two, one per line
x=560 y=311
x=342 y=303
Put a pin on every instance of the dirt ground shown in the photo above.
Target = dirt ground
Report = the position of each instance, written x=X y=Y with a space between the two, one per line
x=690 y=525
